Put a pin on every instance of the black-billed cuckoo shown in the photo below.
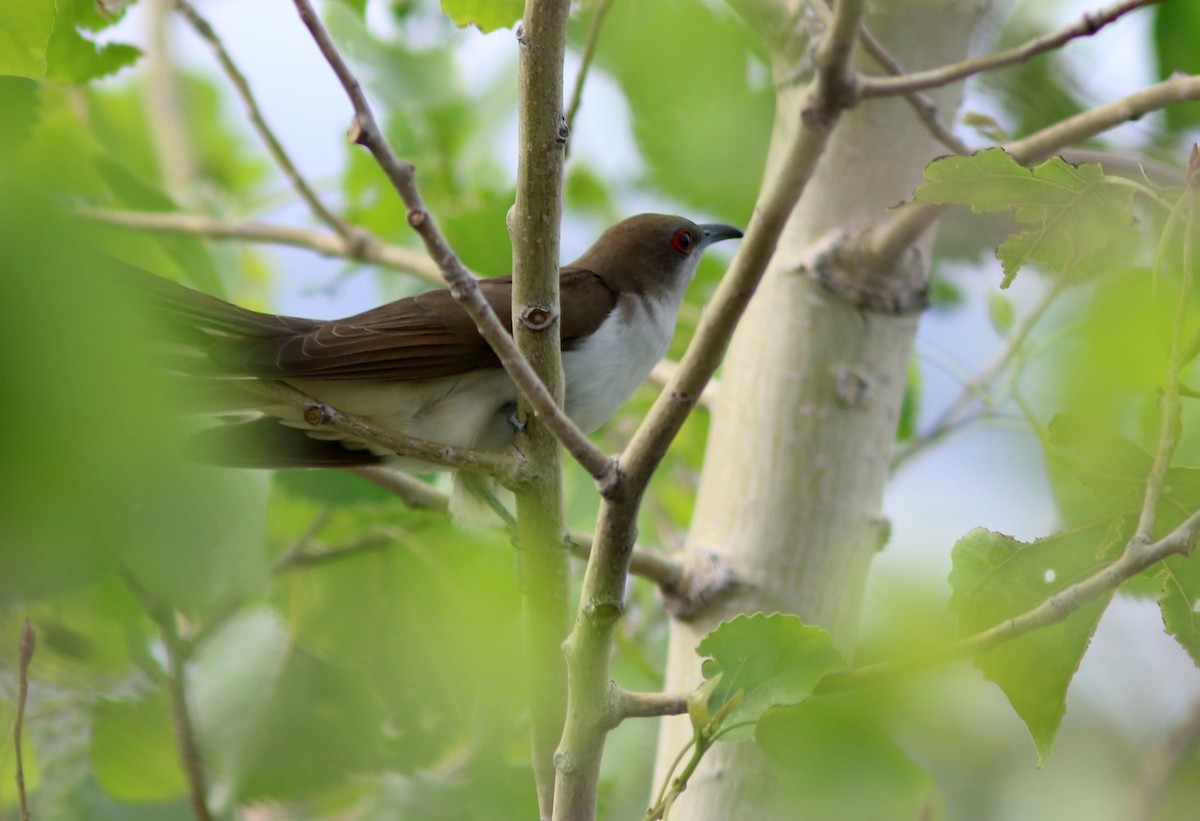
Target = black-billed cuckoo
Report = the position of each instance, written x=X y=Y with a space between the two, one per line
x=419 y=366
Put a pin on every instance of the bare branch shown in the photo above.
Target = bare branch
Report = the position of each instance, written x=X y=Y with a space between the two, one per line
x=1137 y=557
x=25 y=648
x=366 y=249
x=366 y=132
x=1085 y=26
x=665 y=371
x=206 y=32
x=648 y=705
x=892 y=237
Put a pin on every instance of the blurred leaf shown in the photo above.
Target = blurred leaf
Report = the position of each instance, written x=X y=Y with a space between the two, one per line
x=1176 y=32
x=1180 y=602
x=841 y=765
x=996 y=577
x=1079 y=216
x=773 y=661
x=487 y=15
x=73 y=58
x=701 y=127
x=276 y=720
x=28 y=25
x=944 y=295
x=1000 y=313
x=133 y=751
x=430 y=621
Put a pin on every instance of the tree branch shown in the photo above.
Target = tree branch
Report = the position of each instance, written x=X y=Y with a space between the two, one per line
x=363 y=248
x=602 y=597
x=892 y=237
x=534 y=225
x=630 y=704
x=366 y=132
x=1137 y=557
x=1085 y=26
x=206 y=32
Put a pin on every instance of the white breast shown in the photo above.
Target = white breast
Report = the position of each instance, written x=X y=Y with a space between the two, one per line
x=603 y=371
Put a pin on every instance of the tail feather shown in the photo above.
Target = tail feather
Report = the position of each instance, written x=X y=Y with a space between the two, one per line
x=265 y=443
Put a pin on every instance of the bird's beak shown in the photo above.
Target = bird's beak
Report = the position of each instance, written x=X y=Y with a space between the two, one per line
x=715 y=232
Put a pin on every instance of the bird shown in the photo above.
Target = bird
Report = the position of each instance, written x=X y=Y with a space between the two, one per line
x=418 y=365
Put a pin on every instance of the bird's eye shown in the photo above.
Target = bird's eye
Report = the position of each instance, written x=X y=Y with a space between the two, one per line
x=682 y=241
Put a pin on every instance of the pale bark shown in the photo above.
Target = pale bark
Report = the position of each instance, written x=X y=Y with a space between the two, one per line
x=804 y=422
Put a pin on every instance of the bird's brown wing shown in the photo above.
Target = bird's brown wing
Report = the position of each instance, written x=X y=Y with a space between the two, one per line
x=422 y=337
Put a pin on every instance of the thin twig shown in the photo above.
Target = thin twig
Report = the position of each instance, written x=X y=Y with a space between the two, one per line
x=307 y=557
x=1137 y=557
x=1085 y=26
x=178 y=652
x=25 y=648
x=206 y=32
x=1169 y=403
x=922 y=104
x=412 y=491
x=892 y=237
x=331 y=245
x=948 y=420
x=585 y=64
x=366 y=132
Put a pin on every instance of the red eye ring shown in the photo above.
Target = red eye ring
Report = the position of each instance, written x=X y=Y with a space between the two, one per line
x=682 y=241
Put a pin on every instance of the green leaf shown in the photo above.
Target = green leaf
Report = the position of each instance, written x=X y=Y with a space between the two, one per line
x=773 y=660
x=996 y=577
x=841 y=765
x=71 y=57
x=486 y=15
x=1079 y=216
x=276 y=720
x=910 y=408
x=1180 y=602
x=133 y=751
x=28 y=25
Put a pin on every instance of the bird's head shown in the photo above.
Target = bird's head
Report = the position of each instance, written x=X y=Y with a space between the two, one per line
x=653 y=254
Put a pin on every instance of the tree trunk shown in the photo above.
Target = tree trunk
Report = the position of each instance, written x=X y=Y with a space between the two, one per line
x=806 y=416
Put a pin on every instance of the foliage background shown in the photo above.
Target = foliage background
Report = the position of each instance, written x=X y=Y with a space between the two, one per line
x=382 y=684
